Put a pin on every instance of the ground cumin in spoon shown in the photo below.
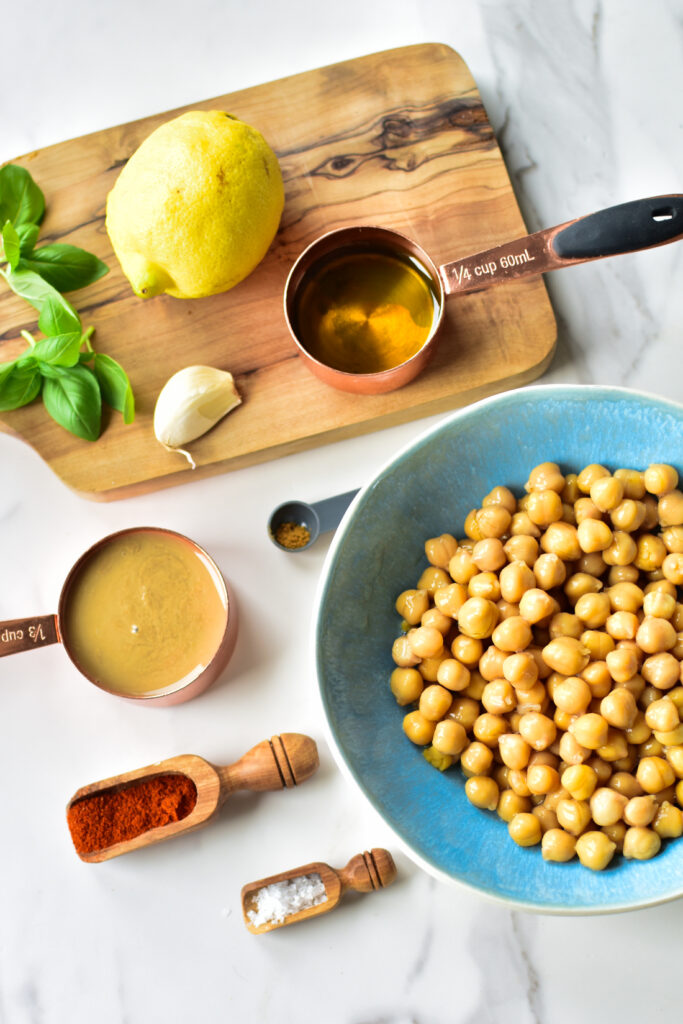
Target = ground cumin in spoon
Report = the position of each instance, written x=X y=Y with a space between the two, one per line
x=116 y=815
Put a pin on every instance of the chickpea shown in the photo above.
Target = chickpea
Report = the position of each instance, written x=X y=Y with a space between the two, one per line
x=411 y=605
x=660 y=478
x=558 y=846
x=406 y=685
x=572 y=695
x=453 y=675
x=549 y=570
x=498 y=697
x=581 y=583
x=590 y=730
x=547 y=476
x=491 y=663
x=538 y=730
x=461 y=567
x=673 y=539
x=403 y=654
x=432 y=578
x=622 y=664
x=478 y=617
x=668 y=822
x=619 y=708
x=601 y=769
x=506 y=610
x=641 y=843
x=655 y=635
x=544 y=507
x=467 y=650
x=622 y=625
x=435 y=701
x=521 y=670
x=650 y=748
x=440 y=550
x=482 y=792
x=488 y=555
x=542 y=778
x=573 y=815
x=561 y=539
x=488 y=728
x=670 y=509
x=659 y=585
x=476 y=758
x=579 y=780
x=425 y=641
x=566 y=655
x=584 y=508
x=512 y=634
x=615 y=747
x=510 y=803
x=593 y=610
x=655 y=774
x=673 y=738
x=546 y=817
x=429 y=667
x=521 y=526
x=672 y=567
x=417 y=728
x=595 y=850
x=628 y=516
x=674 y=755
x=517 y=780
x=650 y=552
x=607 y=806
x=626 y=784
x=449 y=738
x=501 y=496
x=640 y=810
x=535 y=699
x=596 y=674
x=536 y=605
x=625 y=597
x=525 y=829
x=677 y=697
x=659 y=605
x=662 y=715
x=607 y=492
x=450 y=598
x=632 y=480
x=484 y=584
x=464 y=710
x=592 y=563
x=515 y=579
x=514 y=750
x=589 y=474
x=492 y=521
x=521 y=548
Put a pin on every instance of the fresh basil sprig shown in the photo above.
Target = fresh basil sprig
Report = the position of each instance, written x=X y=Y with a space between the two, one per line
x=62 y=367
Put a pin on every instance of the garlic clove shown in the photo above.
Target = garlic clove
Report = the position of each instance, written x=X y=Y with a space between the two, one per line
x=191 y=402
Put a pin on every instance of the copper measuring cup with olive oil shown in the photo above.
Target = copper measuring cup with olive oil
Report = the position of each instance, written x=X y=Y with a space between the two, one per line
x=144 y=614
x=364 y=304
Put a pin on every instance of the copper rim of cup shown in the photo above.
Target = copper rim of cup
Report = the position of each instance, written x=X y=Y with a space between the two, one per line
x=204 y=677
x=372 y=237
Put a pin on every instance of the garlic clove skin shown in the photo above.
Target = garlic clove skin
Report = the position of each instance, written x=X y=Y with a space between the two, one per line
x=191 y=402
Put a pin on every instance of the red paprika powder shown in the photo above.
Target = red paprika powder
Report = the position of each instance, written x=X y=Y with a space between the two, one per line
x=115 y=815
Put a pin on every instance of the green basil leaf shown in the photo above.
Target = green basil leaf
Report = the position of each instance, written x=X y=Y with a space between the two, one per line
x=28 y=236
x=65 y=267
x=72 y=397
x=11 y=244
x=115 y=386
x=58 y=316
x=59 y=350
x=21 y=201
x=19 y=385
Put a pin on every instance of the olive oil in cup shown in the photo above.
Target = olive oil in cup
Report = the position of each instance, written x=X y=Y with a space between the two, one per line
x=144 y=614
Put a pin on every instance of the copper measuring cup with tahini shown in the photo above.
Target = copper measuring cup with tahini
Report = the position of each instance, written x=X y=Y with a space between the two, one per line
x=628 y=227
x=24 y=634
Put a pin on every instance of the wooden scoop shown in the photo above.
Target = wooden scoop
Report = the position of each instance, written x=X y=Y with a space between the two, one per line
x=365 y=872
x=283 y=761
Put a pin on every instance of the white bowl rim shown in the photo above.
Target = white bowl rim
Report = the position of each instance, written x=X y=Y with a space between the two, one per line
x=566 y=390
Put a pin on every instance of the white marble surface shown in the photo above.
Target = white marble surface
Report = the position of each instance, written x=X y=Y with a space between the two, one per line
x=586 y=99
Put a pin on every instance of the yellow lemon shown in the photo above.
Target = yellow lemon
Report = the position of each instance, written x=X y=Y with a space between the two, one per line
x=196 y=207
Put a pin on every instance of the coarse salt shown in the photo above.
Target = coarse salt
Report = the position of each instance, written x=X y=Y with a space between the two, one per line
x=273 y=903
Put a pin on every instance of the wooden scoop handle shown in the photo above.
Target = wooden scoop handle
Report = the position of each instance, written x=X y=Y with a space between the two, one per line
x=278 y=763
x=367 y=871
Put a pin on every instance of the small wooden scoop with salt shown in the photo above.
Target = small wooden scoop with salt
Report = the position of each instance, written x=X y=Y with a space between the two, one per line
x=312 y=889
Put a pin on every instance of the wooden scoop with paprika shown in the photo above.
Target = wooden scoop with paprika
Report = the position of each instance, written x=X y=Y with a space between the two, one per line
x=178 y=795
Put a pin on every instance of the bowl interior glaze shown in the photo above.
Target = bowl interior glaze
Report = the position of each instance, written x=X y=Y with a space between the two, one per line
x=378 y=551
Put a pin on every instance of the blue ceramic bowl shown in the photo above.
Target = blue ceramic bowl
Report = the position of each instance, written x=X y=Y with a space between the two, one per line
x=427 y=489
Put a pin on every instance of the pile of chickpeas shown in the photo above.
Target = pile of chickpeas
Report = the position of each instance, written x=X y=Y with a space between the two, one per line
x=544 y=653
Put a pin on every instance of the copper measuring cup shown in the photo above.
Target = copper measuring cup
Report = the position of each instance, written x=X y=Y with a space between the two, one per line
x=39 y=631
x=628 y=227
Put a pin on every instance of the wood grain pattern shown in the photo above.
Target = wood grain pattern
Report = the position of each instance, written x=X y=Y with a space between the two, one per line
x=399 y=139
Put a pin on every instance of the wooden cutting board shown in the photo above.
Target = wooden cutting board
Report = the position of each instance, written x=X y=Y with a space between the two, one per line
x=400 y=139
